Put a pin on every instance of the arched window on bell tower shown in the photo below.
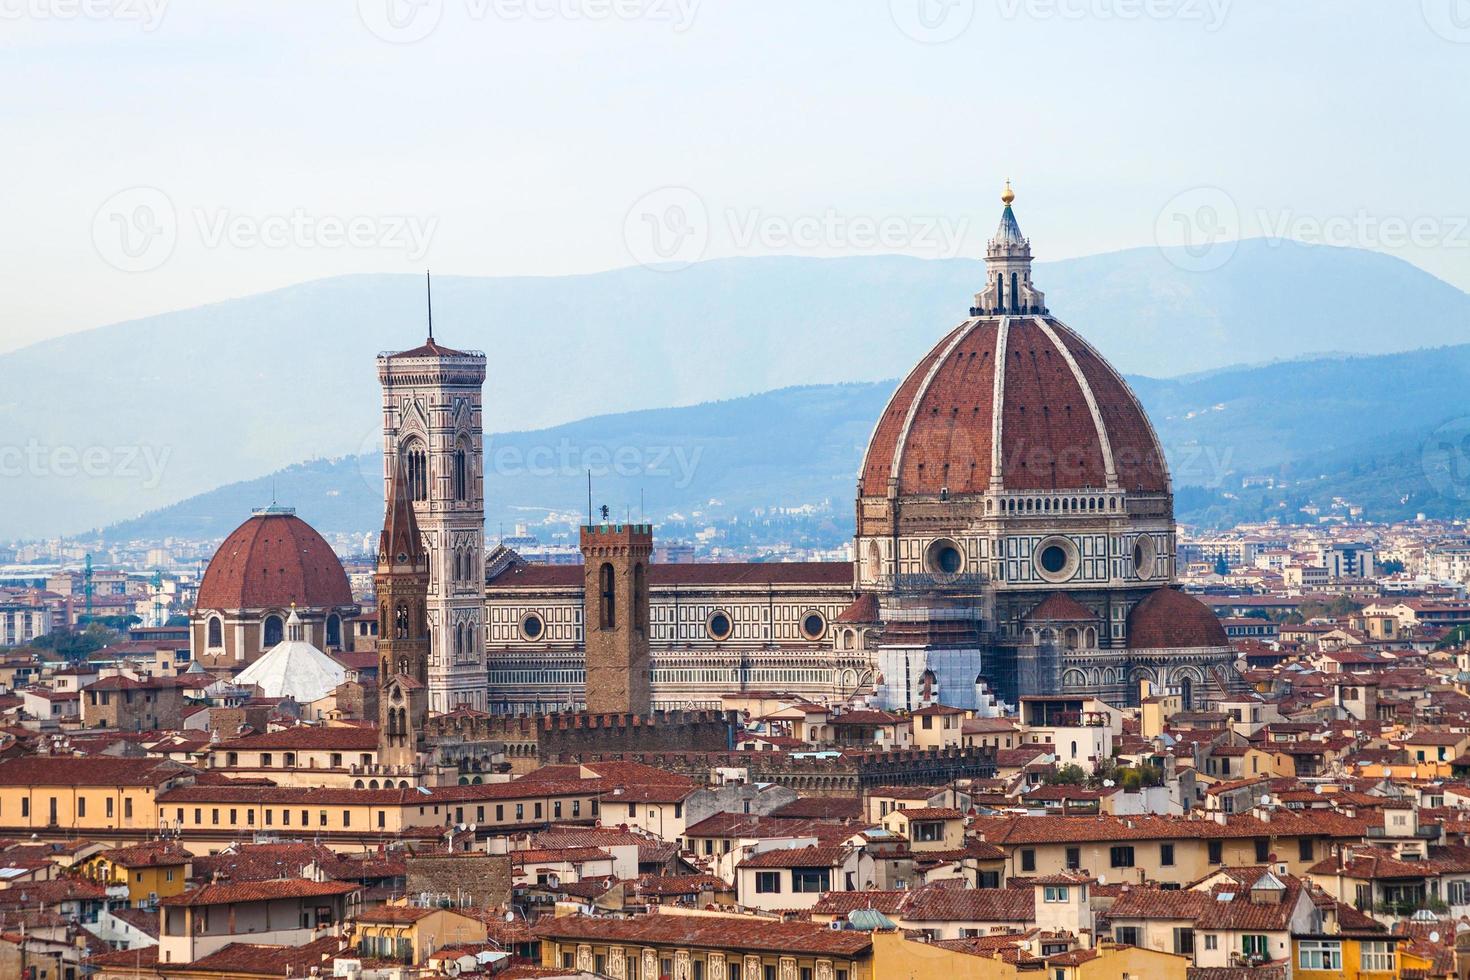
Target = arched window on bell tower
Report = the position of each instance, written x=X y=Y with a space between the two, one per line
x=416 y=468
x=607 y=600
x=1000 y=292
x=461 y=471
x=1015 y=295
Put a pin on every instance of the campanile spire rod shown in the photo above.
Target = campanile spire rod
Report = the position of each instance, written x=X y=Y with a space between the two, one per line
x=429 y=298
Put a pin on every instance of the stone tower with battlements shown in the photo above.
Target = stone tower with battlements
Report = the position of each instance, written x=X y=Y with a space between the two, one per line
x=615 y=616
x=432 y=428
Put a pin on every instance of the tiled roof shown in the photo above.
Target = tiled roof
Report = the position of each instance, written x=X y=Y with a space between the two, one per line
x=151 y=855
x=259 y=891
x=1060 y=608
x=816 y=856
x=572 y=855
x=34 y=770
x=942 y=418
x=271 y=561
x=1168 y=618
x=723 y=932
x=304 y=737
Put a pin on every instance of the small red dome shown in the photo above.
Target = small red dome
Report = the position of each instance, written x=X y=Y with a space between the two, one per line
x=1170 y=619
x=1063 y=418
x=272 y=560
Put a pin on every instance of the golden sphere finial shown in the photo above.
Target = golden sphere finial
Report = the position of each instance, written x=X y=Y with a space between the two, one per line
x=1007 y=195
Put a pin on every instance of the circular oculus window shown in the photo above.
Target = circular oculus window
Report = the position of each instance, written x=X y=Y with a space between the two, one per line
x=813 y=625
x=1144 y=556
x=532 y=627
x=719 y=626
x=944 y=558
x=1055 y=559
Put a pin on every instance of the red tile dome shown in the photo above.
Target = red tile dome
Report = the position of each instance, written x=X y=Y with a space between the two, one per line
x=272 y=560
x=1053 y=416
x=1170 y=619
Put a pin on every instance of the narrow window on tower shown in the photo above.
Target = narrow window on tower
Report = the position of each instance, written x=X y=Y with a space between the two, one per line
x=1015 y=301
x=461 y=473
x=640 y=597
x=608 y=614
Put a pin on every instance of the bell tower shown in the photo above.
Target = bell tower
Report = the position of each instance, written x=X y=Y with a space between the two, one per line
x=401 y=585
x=615 y=560
x=432 y=428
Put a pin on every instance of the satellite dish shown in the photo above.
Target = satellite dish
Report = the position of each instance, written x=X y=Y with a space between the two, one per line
x=510 y=915
x=472 y=827
x=1108 y=783
x=1434 y=936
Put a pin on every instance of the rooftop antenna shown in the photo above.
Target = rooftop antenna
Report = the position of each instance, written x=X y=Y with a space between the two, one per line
x=429 y=296
x=589 y=498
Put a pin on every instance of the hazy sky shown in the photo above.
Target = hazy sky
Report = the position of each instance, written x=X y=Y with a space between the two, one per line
x=160 y=155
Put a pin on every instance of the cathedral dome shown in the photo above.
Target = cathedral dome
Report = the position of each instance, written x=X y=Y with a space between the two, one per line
x=1013 y=400
x=273 y=560
x=1170 y=619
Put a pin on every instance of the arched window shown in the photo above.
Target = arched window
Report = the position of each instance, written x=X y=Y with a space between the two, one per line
x=216 y=633
x=273 y=631
x=400 y=621
x=416 y=468
x=334 y=630
x=461 y=472
x=640 y=597
x=607 y=615
x=1186 y=693
x=1015 y=297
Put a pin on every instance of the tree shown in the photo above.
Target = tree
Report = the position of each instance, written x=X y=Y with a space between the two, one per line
x=1222 y=567
x=1069 y=775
